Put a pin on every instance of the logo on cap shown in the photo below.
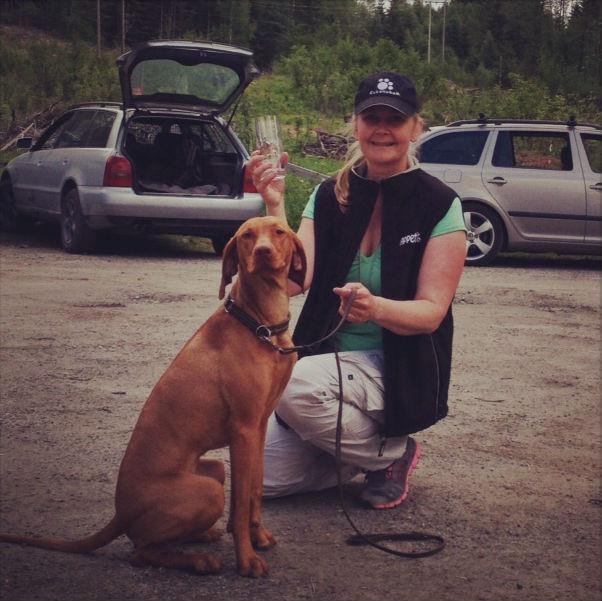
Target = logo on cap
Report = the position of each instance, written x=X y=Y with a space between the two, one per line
x=384 y=84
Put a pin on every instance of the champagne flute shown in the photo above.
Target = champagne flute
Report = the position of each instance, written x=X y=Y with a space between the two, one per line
x=269 y=142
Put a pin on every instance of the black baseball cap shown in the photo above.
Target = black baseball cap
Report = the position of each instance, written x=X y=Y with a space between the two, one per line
x=389 y=89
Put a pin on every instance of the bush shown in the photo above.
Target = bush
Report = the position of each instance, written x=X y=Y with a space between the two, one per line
x=40 y=72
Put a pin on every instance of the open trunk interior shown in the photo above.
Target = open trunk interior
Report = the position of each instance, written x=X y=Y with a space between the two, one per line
x=182 y=156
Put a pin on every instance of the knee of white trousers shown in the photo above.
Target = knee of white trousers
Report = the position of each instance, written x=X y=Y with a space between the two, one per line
x=287 y=460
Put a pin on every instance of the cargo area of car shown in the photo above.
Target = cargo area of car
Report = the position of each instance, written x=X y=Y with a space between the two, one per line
x=182 y=156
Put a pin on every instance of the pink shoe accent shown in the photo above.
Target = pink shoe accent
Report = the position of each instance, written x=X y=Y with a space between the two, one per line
x=404 y=496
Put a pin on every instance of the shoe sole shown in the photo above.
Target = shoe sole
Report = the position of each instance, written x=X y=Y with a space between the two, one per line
x=404 y=496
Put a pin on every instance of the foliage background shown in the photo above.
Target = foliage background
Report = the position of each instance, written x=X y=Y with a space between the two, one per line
x=535 y=59
x=525 y=58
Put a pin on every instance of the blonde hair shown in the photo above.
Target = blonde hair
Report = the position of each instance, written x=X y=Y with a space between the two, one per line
x=355 y=158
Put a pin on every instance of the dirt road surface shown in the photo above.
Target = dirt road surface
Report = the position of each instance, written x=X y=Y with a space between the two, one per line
x=510 y=478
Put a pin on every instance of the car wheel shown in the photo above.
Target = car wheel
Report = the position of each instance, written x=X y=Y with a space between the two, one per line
x=10 y=219
x=219 y=243
x=76 y=235
x=485 y=236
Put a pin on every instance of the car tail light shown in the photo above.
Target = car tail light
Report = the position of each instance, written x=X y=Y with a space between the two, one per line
x=118 y=172
x=247 y=185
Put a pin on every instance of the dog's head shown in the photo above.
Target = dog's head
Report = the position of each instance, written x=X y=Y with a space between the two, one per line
x=263 y=245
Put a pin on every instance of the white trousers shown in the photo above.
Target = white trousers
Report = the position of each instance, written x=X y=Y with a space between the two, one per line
x=300 y=458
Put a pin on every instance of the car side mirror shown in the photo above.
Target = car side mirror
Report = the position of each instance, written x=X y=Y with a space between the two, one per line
x=24 y=143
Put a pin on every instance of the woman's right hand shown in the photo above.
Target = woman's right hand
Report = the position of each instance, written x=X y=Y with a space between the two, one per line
x=268 y=181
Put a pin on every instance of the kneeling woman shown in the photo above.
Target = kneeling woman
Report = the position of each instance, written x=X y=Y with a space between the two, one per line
x=396 y=235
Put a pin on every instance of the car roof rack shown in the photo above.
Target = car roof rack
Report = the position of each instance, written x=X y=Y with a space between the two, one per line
x=99 y=103
x=484 y=120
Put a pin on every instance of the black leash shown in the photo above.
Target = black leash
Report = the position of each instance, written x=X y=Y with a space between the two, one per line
x=371 y=539
x=263 y=333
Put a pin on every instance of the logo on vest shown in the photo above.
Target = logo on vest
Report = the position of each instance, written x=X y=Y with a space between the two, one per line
x=410 y=239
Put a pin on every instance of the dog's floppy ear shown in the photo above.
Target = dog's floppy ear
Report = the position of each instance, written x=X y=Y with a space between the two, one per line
x=298 y=266
x=229 y=265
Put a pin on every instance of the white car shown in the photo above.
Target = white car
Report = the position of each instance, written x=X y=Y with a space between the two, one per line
x=161 y=161
x=525 y=185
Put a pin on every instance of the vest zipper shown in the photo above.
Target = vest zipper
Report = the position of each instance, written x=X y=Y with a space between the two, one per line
x=438 y=378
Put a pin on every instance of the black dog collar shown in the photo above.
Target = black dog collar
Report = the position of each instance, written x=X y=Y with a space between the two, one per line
x=259 y=329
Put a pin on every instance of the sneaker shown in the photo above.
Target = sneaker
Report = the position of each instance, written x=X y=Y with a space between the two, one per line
x=389 y=487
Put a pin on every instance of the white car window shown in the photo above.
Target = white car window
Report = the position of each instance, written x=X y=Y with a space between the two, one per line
x=75 y=130
x=593 y=148
x=99 y=131
x=454 y=148
x=533 y=150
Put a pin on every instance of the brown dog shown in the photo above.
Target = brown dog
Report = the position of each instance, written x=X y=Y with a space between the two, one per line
x=218 y=391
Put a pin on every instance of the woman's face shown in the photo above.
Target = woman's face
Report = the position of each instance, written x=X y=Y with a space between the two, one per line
x=384 y=136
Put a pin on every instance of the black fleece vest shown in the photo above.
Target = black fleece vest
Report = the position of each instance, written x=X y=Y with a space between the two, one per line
x=416 y=368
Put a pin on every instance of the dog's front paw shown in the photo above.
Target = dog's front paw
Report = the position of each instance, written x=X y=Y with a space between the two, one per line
x=253 y=565
x=262 y=538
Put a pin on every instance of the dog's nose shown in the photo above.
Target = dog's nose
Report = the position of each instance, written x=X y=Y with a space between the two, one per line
x=263 y=250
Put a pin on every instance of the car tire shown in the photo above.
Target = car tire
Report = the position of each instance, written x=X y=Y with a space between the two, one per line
x=10 y=219
x=219 y=243
x=76 y=235
x=485 y=234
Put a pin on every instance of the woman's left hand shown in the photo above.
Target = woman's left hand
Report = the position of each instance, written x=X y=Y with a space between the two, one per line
x=363 y=305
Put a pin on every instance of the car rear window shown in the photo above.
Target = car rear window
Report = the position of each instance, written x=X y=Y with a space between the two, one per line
x=206 y=82
x=533 y=150
x=593 y=150
x=454 y=148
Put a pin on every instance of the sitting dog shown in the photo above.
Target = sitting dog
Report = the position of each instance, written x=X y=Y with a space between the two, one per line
x=218 y=391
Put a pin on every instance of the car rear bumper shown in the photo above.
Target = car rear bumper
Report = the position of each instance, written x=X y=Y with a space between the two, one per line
x=122 y=207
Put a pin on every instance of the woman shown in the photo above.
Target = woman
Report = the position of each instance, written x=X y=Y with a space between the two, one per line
x=396 y=235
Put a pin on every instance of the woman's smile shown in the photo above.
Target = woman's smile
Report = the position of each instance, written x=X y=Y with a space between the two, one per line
x=384 y=136
x=380 y=143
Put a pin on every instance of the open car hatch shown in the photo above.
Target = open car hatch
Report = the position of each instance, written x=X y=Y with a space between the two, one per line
x=203 y=77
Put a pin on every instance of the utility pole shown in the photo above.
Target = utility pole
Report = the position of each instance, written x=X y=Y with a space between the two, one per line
x=122 y=25
x=230 y=25
x=428 y=60
x=443 y=40
x=98 y=27
x=161 y=23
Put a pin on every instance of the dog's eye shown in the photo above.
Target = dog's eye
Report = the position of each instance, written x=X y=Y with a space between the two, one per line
x=247 y=234
x=279 y=232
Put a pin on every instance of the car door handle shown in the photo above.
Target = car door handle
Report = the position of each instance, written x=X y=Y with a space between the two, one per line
x=65 y=161
x=597 y=186
x=499 y=181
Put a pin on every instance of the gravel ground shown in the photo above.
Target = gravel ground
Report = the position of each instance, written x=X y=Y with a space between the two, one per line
x=511 y=478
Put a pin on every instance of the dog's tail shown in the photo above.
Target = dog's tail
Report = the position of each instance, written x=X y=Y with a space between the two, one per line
x=101 y=538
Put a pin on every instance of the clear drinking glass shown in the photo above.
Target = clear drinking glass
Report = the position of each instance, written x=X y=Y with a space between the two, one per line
x=269 y=143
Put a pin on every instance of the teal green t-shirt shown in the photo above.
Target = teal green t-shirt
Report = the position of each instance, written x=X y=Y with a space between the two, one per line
x=366 y=270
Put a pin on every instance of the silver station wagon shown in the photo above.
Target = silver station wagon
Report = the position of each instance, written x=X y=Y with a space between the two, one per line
x=162 y=161
x=525 y=185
